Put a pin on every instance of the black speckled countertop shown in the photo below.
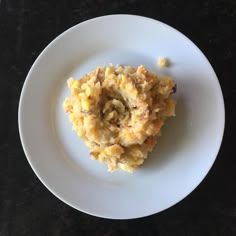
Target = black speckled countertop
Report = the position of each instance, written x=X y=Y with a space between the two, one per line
x=26 y=206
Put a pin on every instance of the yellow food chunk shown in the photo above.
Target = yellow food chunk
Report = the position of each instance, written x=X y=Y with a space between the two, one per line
x=85 y=104
x=163 y=62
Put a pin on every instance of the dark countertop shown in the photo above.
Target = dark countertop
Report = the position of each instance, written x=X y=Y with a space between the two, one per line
x=26 y=206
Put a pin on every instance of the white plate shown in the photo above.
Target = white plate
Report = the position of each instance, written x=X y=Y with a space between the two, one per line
x=186 y=150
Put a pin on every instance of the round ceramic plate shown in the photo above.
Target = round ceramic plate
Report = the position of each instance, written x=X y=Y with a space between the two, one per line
x=186 y=150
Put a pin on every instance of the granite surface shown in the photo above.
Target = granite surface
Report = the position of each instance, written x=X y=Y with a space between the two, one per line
x=26 y=206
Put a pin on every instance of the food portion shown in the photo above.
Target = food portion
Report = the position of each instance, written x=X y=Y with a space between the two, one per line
x=163 y=62
x=119 y=111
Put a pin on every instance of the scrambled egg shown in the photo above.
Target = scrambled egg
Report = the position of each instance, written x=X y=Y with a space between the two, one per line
x=119 y=112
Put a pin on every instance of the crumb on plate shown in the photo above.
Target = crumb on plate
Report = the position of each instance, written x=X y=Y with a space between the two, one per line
x=163 y=62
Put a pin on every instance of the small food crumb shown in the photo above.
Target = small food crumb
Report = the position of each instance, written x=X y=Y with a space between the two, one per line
x=163 y=62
